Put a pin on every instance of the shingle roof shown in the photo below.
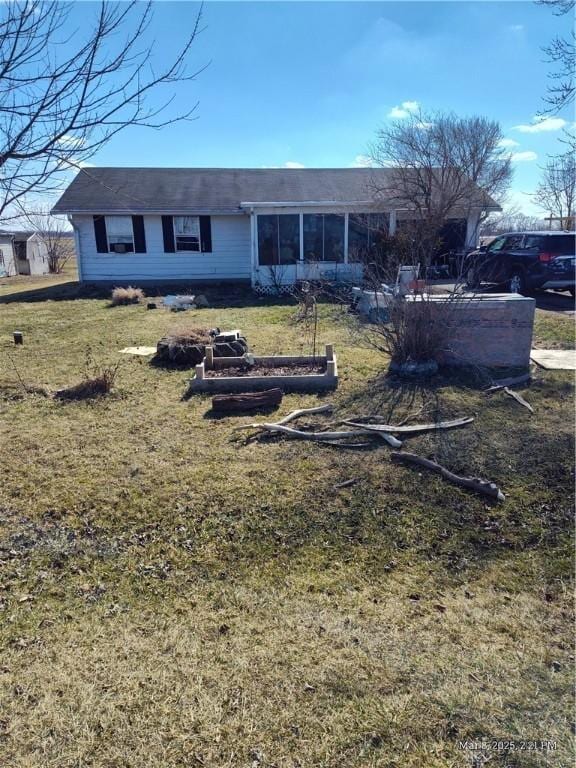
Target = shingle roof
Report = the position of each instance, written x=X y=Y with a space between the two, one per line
x=216 y=190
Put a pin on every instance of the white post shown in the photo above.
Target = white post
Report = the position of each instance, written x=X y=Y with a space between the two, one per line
x=200 y=371
x=472 y=222
x=253 y=248
x=392 y=223
x=329 y=351
x=209 y=357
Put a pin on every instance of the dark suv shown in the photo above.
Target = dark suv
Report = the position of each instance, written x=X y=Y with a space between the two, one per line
x=525 y=262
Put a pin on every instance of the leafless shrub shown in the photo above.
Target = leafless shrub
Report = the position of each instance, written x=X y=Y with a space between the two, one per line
x=416 y=330
x=98 y=380
x=124 y=296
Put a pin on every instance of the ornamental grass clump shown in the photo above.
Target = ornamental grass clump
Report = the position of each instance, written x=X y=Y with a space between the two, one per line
x=129 y=295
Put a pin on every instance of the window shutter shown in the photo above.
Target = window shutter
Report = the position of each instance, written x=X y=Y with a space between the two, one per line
x=139 y=234
x=168 y=232
x=205 y=234
x=100 y=234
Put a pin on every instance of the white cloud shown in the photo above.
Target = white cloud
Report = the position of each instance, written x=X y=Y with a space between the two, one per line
x=516 y=27
x=508 y=143
x=361 y=161
x=541 y=124
x=287 y=164
x=72 y=142
x=523 y=157
x=404 y=110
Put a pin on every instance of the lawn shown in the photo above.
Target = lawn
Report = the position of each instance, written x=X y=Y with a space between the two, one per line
x=175 y=595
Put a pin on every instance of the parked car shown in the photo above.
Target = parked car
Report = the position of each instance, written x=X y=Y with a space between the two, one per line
x=525 y=262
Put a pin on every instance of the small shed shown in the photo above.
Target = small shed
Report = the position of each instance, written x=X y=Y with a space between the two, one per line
x=23 y=253
x=37 y=255
x=7 y=258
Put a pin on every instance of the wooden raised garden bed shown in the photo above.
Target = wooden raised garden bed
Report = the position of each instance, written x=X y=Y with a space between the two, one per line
x=289 y=373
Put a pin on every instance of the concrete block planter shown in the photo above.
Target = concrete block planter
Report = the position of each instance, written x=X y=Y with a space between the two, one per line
x=300 y=382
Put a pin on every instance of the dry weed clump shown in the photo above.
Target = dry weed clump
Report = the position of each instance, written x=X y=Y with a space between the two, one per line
x=128 y=295
x=183 y=346
x=98 y=380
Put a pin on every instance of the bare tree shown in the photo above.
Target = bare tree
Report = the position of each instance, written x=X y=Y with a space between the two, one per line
x=64 y=93
x=562 y=53
x=510 y=219
x=54 y=234
x=441 y=166
x=556 y=192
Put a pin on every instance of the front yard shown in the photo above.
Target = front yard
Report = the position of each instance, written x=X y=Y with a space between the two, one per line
x=174 y=595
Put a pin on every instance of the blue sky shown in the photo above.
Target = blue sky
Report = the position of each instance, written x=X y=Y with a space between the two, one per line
x=309 y=83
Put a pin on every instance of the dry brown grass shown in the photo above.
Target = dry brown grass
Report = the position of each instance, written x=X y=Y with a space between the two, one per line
x=128 y=295
x=183 y=346
x=171 y=597
x=265 y=675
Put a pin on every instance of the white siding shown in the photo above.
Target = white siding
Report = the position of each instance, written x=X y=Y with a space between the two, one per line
x=7 y=262
x=37 y=256
x=230 y=257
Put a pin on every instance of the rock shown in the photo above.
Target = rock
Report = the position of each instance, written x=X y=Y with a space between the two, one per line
x=201 y=302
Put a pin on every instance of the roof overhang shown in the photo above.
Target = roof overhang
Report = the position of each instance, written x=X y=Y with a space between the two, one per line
x=148 y=211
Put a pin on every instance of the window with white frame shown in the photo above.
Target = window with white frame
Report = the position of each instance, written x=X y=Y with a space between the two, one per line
x=120 y=234
x=278 y=239
x=323 y=236
x=187 y=233
x=365 y=232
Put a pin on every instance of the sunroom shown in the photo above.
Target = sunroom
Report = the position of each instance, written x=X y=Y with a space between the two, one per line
x=319 y=243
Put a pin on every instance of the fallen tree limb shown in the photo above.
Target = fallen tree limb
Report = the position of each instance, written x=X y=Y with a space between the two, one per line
x=346 y=483
x=499 y=384
x=398 y=428
x=247 y=401
x=519 y=399
x=328 y=408
x=473 y=483
x=322 y=436
x=510 y=382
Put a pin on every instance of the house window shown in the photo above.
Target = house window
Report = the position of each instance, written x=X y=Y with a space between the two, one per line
x=120 y=234
x=278 y=239
x=323 y=237
x=365 y=231
x=187 y=233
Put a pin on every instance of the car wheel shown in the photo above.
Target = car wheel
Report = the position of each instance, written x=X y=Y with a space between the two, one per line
x=517 y=282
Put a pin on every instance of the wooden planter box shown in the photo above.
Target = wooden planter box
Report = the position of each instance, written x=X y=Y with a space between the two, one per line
x=314 y=382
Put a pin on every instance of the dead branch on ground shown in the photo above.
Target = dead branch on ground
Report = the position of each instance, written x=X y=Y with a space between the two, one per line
x=473 y=483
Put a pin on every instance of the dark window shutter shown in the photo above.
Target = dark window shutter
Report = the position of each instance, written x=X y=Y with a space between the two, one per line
x=205 y=234
x=139 y=234
x=168 y=232
x=100 y=234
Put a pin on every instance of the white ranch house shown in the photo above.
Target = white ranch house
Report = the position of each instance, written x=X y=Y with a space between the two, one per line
x=260 y=226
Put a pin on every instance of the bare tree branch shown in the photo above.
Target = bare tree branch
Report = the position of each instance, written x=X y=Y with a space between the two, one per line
x=64 y=95
x=562 y=53
x=441 y=166
x=556 y=193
